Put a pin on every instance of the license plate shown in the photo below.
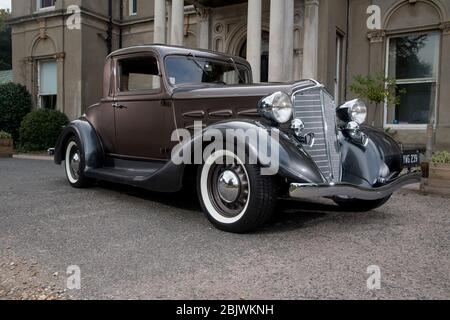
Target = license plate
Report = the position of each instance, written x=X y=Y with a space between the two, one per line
x=411 y=159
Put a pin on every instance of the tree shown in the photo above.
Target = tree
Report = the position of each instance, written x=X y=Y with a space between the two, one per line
x=5 y=41
x=378 y=90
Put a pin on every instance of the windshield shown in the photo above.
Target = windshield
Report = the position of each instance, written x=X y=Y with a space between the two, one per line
x=195 y=70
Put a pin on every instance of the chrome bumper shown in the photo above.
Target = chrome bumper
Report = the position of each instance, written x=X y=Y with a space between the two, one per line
x=300 y=190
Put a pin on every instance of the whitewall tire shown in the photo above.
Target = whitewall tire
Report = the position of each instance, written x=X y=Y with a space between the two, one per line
x=235 y=197
x=74 y=164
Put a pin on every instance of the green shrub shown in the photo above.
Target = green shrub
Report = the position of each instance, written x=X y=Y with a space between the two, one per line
x=441 y=157
x=15 y=104
x=377 y=89
x=5 y=135
x=40 y=129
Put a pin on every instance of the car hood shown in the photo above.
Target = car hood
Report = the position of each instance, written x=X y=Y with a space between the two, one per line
x=224 y=91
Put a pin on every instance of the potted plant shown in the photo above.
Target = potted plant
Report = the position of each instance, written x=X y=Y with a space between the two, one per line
x=377 y=90
x=6 y=145
x=438 y=180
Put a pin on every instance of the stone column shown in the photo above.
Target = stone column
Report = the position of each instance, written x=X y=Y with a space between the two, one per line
x=203 y=28
x=159 y=35
x=276 y=41
x=376 y=66
x=311 y=39
x=289 y=41
x=176 y=37
x=254 y=34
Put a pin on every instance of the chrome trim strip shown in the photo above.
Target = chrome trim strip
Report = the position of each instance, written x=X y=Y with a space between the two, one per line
x=338 y=146
x=194 y=114
x=325 y=129
x=249 y=113
x=306 y=190
x=221 y=113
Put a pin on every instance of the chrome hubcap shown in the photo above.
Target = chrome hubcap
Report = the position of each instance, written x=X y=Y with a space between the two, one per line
x=75 y=164
x=228 y=189
x=229 y=186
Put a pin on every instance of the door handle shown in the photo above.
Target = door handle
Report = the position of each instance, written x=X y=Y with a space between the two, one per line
x=118 y=106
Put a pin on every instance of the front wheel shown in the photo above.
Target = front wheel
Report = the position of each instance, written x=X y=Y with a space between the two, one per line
x=74 y=165
x=235 y=197
x=356 y=205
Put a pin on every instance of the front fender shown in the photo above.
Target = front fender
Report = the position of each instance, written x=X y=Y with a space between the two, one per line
x=90 y=146
x=293 y=163
x=365 y=166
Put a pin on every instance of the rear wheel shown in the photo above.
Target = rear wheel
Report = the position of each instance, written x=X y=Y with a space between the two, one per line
x=235 y=197
x=74 y=164
x=357 y=205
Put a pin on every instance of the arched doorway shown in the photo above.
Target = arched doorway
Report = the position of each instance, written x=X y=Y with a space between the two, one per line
x=264 y=55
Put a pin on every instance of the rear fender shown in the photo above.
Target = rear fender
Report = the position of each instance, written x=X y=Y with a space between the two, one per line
x=91 y=146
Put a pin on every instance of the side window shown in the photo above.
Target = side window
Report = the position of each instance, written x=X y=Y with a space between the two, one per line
x=138 y=74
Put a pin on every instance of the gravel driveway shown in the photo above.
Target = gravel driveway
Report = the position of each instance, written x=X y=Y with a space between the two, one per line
x=132 y=244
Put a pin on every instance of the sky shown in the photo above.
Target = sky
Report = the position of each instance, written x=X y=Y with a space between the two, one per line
x=5 y=4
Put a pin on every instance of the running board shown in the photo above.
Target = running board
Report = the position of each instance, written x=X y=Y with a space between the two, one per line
x=125 y=171
x=153 y=176
x=120 y=175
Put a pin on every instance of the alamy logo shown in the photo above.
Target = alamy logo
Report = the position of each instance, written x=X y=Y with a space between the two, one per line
x=73 y=22
x=374 y=281
x=374 y=20
x=74 y=278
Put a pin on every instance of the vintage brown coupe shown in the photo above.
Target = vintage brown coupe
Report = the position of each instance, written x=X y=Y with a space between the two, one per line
x=150 y=91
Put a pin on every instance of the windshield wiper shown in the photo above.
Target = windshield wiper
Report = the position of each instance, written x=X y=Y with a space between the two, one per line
x=237 y=70
x=194 y=59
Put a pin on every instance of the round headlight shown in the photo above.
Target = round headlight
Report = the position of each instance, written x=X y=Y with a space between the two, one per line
x=277 y=107
x=353 y=111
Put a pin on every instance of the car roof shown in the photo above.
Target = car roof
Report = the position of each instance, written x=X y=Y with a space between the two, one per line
x=165 y=50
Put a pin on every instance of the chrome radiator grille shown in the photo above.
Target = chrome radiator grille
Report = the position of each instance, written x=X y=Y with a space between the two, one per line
x=316 y=108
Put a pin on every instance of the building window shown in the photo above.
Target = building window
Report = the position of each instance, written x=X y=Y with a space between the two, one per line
x=413 y=60
x=47 y=82
x=45 y=4
x=133 y=7
x=139 y=74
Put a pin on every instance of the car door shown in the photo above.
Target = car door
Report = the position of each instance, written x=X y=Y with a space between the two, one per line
x=143 y=117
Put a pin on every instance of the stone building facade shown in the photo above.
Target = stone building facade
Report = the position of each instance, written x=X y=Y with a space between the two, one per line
x=59 y=47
